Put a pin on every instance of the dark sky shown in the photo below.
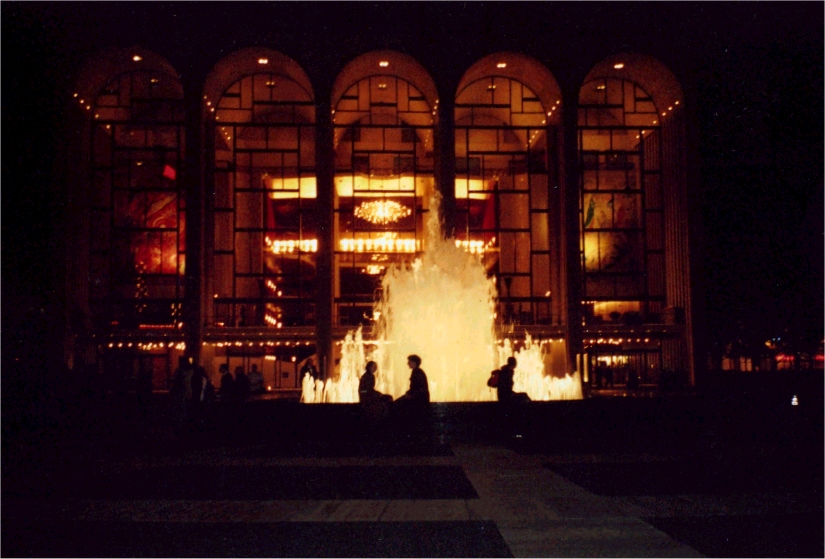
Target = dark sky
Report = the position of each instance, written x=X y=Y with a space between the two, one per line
x=756 y=70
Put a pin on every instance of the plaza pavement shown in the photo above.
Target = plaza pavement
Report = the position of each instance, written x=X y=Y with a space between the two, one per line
x=621 y=477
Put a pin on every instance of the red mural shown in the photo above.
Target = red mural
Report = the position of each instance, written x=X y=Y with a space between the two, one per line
x=155 y=252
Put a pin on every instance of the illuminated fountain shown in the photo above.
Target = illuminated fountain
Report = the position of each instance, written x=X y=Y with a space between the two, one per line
x=442 y=308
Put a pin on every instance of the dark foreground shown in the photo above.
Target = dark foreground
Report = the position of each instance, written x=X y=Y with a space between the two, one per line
x=732 y=471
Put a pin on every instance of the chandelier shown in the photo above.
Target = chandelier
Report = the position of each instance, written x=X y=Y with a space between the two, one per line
x=382 y=212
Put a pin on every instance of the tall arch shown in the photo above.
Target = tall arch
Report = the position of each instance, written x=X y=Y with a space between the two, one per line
x=633 y=211
x=261 y=229
x=507 y=148
x=129 y=191
x=384 y=110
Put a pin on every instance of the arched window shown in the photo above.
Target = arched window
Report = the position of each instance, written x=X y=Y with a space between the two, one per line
x=137 y=222
x=633 y=214
x=383 y=139
x=507 y=176
x=264 y=230
x=621 y=207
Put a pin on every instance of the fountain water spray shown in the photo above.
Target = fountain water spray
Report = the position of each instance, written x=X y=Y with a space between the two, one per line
x=442 y=308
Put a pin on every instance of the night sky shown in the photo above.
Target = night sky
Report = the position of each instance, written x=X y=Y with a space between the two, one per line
x=758 y=83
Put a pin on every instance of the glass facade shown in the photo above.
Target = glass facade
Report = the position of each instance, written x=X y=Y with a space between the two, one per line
x=137 y=225
x=620 y=211
x=264 y=204
x=506 y=162
x=298 y=217
x=383 y=142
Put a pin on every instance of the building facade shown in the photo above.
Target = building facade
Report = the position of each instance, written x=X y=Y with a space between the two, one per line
x=246 y=216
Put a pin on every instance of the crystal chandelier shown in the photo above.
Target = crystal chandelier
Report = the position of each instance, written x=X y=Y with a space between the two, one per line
x=382 y=212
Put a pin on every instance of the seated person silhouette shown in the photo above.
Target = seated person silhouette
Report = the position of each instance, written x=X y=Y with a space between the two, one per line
x=512 y=414
x=411 y=410
x=505 y=384
x=374 y=405
x=419 y=392
x=367 y=393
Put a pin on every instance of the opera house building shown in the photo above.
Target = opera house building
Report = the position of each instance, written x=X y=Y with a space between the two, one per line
x=251 y=215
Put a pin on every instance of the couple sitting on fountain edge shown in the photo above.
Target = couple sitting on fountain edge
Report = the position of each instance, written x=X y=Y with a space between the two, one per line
x=418 y=394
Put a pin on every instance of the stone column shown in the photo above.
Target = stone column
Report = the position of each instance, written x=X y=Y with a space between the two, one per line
x=192 y=177
x=569 y=201
x=325 y=171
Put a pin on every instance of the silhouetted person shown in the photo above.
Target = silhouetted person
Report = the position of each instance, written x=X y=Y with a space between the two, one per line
x=241 y=385
x=504 y=389
x=177 y=392
x=366 y=386
x=608 y=376
x=256 y=380
x=419 y=392
x=198 y=386
x=227 y=389
x=374 y=404
x=599 y=373
x=505 y=383
x=633 y=379
x=309 y=369
x=512 y=409
x=413 y=406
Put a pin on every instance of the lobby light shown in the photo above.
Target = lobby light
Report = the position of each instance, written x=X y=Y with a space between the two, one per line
x=618 y=65
x=382 y=212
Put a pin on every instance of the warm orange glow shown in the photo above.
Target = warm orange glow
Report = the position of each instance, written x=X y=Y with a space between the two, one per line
x=618 y=65
x=385 y=243
x=382 y=212
x=363 y=185
x=291 y=246
x=476 y=247
x=291 y=188
x=384 y=63
x=137 y=58
x=501 y=65
x=263 y=61
x=476 y=189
